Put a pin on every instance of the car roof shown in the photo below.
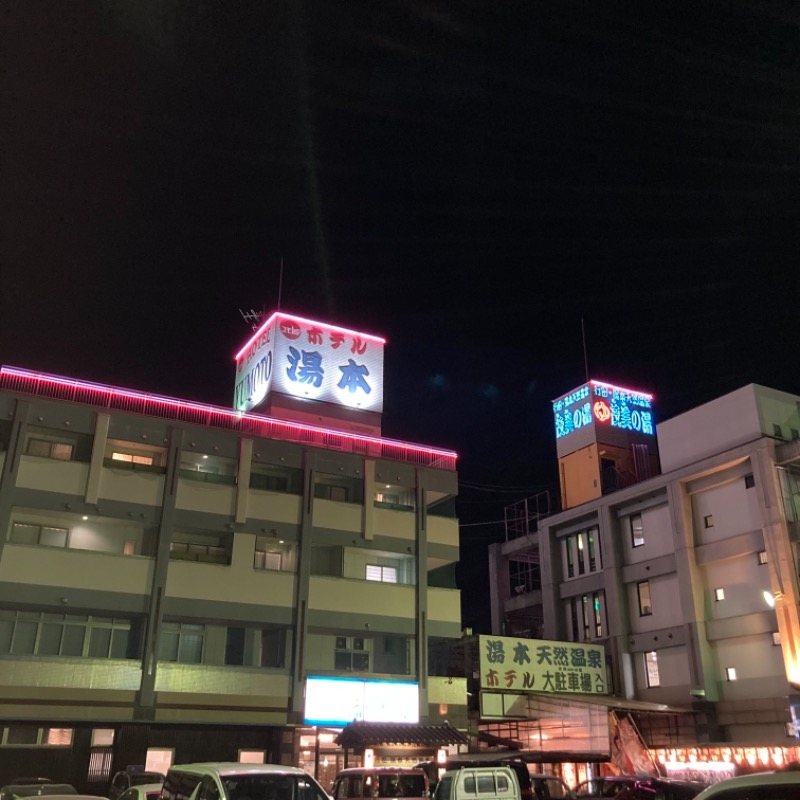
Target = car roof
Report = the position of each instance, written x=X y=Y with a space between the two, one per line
x=782 y=778
x=235 y=768
x=358 y=770
x=148 y=787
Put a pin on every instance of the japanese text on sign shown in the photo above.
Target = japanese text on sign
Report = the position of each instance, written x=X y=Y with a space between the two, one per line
x=537 y=665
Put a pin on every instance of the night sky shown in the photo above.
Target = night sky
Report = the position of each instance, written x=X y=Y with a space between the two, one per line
x=475 y=181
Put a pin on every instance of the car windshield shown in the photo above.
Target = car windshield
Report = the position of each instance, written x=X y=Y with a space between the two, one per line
x=274 y=786
x=401 y=785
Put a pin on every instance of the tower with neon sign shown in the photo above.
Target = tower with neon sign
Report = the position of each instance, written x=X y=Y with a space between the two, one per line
x=605 y=440
x=312 y=372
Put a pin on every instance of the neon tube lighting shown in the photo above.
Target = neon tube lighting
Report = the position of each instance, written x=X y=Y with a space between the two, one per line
x=154 y=399
x=325 y=325
x=621 y=389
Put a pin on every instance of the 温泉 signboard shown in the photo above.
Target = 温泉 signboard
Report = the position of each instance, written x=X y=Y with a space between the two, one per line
x=537 y=665
x=294 y=356
x=603 y=404
x=339 y=701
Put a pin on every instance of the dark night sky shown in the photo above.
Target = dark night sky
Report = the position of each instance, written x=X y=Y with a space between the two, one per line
x=468 y=179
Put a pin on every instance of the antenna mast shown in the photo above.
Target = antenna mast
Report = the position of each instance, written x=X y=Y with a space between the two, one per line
x=585 y=356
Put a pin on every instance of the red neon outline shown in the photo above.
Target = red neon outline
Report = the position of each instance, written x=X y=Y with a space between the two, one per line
x=325 y=325
x=152 y=399
x=601 y=402
x=622 y=389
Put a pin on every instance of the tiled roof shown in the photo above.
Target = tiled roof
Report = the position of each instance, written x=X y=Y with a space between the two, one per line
x=365 y=734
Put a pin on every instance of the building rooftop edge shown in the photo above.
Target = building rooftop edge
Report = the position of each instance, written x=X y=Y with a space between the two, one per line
x=58 y=387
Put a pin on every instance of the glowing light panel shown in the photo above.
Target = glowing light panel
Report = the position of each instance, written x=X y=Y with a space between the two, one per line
x=599 y=403
x=339 y=701
x=313 y=360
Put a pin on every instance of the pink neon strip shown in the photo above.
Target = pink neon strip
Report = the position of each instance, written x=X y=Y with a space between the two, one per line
x=228 y=413
x=622 y=389
x=323 y=325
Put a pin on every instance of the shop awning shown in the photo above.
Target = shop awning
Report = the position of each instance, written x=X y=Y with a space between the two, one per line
x=621 y=703
x=358 y=735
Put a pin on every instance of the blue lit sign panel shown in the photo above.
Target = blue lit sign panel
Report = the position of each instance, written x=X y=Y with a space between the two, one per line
x=604 y=404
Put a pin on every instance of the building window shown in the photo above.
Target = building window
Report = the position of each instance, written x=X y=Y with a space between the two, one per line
x=762 y=557
x=31 y=736
x=181 y=642
x=581 y=555
x=45 y=448
x=339 y=489
x=274 y=554
x=44 y=535
x=34 y=633
x=643 y=591
x=795 y=434
x=652 y=677
x=637 y=530
x=776 y=638
x=598 y=615
x=749 y=481
x=590 y=538
x=130 y=458
x=586 y=615
x=570 y=557
x=708 y=521
x=208 y=547
x=351 y=654
x=719 y=594
x=776 y=430
x=381 y=574
x=730 y=673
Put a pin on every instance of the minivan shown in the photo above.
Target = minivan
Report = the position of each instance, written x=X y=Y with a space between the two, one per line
x=380 y=783
x=235 y=781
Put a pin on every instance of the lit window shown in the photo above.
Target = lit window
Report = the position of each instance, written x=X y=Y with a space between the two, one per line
x=637 y=530
x=708 y=521
x=381 y=574
x=762 y=556
x=130 y=458
x=719 y=594
x=47 y=449
x=651 y=669
x=730 y=673
x=581 y=564
x=645 y=605
x=776 y=638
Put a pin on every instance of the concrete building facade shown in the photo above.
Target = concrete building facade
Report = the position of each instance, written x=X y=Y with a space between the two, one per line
x=689 y=578
x=168 y=568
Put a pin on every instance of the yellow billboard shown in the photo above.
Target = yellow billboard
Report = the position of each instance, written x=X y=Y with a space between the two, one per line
x=508 y=663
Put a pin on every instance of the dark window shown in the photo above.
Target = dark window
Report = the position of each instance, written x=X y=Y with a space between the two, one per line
x=749 y=481
x=234 y=646
x=776 y=430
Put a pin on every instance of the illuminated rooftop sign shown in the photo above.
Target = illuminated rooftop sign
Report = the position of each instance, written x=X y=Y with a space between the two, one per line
x=294 y=356
x=598 y=403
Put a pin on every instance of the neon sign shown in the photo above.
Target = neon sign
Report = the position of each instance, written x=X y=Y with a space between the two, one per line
x=295 y=356
x=604 y=404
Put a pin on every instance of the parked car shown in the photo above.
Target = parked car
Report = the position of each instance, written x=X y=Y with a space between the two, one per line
x=549 y=787
x=379 y=783
x=235 y=781
x=144 y=791
x=608 y=786
x=778 y=785
x=662 y=789
x=122 y=781
x=13 y=791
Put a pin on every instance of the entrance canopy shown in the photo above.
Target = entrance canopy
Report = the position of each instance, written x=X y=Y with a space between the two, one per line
x=359 y=735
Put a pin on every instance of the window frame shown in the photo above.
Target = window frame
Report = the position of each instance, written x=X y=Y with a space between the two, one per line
x=644 y=610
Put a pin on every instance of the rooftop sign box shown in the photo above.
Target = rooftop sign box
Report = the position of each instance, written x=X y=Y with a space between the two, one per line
x=605 y=410
x=310 y=360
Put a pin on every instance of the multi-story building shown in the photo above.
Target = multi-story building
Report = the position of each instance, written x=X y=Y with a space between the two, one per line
x=172 y=574
x=689 y=578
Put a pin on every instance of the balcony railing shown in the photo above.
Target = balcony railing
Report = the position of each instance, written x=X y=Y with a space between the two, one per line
x=40 y=384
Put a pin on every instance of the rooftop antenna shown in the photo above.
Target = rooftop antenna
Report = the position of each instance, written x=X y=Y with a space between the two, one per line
x=254 y=318
x=585 y=356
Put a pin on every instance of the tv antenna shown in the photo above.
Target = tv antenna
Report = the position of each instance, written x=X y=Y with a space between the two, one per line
x=254 y=318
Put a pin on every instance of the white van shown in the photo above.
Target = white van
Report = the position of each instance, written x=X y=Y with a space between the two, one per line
x=478 y=783
x=234 y=781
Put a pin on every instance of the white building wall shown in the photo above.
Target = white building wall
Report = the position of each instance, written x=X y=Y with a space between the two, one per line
x=658 y=536
x=725 y=511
